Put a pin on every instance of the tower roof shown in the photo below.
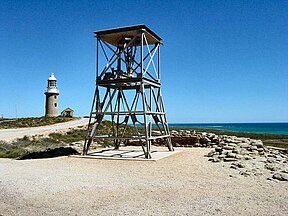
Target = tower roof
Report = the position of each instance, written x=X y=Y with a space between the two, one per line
x=114 y=36
x=52 y=77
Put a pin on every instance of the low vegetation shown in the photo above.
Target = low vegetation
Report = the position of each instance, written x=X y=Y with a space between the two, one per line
x=31 y=122
x=26 y=145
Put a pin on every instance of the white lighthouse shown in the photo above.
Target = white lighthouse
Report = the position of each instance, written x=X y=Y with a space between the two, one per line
x=52 y=92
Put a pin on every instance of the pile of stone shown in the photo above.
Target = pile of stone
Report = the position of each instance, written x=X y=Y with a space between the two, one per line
x=249 y=157
x=189 y=138
x=232 y=148
x=277 y=163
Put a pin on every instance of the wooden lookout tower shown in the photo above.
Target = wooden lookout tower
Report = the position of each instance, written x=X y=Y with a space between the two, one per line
x=128 y=89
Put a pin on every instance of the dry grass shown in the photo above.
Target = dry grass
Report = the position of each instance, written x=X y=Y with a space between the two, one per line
x=27 y=145
x=32 y=122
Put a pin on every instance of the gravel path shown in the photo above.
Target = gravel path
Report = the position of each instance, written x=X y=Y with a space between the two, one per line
x=183 y=184
x=11 y=134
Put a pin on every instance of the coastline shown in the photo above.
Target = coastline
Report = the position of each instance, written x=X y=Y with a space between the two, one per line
x=276 y=140
x=280 y=128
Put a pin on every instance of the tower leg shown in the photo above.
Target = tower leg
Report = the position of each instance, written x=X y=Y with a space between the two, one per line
x=169 y=144
x=148 y=150
x=87 y=145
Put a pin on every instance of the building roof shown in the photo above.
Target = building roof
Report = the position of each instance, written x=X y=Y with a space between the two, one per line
x=67 y=109
x=114 y=36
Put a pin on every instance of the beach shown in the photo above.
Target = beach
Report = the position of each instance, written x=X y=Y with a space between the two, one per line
x=185 y=183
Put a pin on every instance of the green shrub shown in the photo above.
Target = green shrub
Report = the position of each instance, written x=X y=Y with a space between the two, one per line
x=13 y=152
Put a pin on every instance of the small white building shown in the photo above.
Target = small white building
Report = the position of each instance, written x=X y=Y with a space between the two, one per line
x=68 y=112
x=52 y=93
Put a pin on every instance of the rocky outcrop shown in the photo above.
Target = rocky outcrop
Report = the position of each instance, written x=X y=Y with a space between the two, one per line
x=249 y=157
x=189 y=138
x=232 y=148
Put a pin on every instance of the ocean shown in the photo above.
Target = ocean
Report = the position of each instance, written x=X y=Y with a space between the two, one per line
x=259 y=128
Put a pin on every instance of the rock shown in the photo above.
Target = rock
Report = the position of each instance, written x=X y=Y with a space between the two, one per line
x=271 y=160
x=231 y=155
x=237 y=141
x=215 y=140
x=225 y=152
x=236 y=150
x=228 y=140
x=238 y=164
x=271 y=167
x=243 y=151
x=244 y=145
x=259 y=144
x=215 y=159
x=245 y=173
x=254 y=148
x=254 y=152
x=205 y=140
x=256 y=173
x=238 y=156
x=218 y=149
x=229 y=159
x=232 y=145
x=280 y=176
x=211 y=153
x=221 y=156
x=227 y=147
x=269 y=178
x=279 y=158
x=253 y=143
x=221 y=143
x=246 y=157
x=271 y=155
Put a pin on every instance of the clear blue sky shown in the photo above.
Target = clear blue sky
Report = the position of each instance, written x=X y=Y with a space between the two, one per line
x=222 y=61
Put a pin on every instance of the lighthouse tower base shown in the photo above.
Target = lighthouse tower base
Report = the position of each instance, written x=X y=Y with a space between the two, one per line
x=51 y=107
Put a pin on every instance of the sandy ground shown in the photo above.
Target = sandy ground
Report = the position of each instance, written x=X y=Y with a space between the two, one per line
x=185 y=183
x=11 y=134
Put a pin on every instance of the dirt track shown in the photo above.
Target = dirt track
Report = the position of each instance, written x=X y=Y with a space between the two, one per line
x=183 y=184
x=11 y=134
